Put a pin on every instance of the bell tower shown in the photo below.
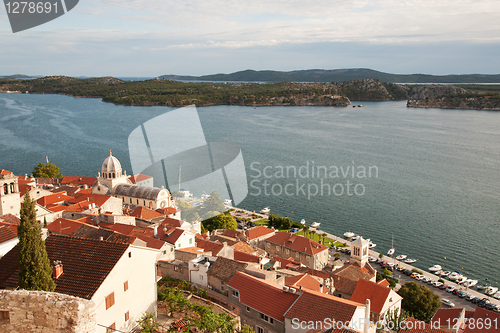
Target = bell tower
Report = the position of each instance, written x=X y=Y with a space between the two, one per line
x=359 y=251
x=10 y=198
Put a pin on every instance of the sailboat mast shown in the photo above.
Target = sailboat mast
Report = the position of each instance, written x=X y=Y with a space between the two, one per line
x=180 y=166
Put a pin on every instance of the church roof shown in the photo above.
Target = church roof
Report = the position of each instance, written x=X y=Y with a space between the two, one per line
x=111 y=164
x=136 y=191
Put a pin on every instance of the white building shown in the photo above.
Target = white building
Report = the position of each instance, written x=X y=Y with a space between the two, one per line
x=119 y=278
x=112 y=180
x=10 y=198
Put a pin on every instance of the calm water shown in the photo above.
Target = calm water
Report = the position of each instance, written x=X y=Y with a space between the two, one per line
x=434 y=183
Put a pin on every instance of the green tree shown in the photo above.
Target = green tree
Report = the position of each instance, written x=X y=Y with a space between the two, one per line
x=247 y=329
x=395 y=318
x=35 y=272
x=212 y=322
x=49 y=170
x=148 y=323
x=419 y=301
x=221 y=221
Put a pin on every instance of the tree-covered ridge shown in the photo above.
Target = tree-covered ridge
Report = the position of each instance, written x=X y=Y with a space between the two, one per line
x=174 y=93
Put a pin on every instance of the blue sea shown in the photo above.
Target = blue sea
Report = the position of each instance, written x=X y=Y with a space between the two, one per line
x=427 y=178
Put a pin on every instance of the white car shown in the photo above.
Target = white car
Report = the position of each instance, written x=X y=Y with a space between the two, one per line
x=419 y=277
x=447 y=302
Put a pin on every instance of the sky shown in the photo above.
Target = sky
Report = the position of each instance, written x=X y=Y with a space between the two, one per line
x=148 y=38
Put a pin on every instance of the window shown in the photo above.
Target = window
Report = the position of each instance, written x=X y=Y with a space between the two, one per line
x=190 y=241
x=236 y=293
x=268 y=245
x=171 y=249
x=266 y=318
x=110 y=300
x=130 y=254
x=127 y=316
x=4 y=317
x=111 y=328
x=259 y=330
x=248 y=309
x=125 y=286
x=176 y=269
x=164 y=252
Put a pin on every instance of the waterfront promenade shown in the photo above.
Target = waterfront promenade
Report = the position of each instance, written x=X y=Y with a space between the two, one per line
x=459 y=302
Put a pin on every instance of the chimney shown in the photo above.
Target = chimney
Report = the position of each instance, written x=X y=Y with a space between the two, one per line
x=155 y=231
x=57 y=269
x=367 y=316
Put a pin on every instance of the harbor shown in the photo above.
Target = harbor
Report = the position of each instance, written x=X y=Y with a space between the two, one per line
x=458 y=302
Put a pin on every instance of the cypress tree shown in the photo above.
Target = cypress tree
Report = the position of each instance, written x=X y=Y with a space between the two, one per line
x=35 y=271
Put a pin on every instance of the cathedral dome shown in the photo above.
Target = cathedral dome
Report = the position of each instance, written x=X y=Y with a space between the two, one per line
x=111 y=167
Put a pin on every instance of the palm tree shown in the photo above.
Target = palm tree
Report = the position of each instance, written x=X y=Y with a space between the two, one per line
x=323 y=235
x=305 y=229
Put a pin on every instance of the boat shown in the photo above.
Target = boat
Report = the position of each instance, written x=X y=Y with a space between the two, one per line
x=491 y=290
x=402 y=257
x=303 y=222
x=372 y=245
x=435 y=268
x=497 y=295
x=454 y=276
x=462 y=279
x=228 y=202
x=438 y=272
x=470 y=283
x=349 y=234
x=481 y=287
x=410 y=261
x=445 y=273
x=315 y=225
x=265 y=210
x=392 y=249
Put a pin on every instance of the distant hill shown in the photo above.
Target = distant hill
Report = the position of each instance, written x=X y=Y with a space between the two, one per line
x=18 y=76
x=337 y=75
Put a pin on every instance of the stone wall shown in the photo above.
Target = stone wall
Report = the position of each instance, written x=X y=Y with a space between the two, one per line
x=23 y=311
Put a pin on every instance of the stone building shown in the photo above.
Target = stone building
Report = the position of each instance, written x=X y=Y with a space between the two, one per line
x=10 y=198
x=112 y=180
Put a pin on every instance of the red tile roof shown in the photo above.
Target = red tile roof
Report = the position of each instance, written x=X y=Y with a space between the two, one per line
x=287 y=263
x=376 y=293
x=346 y=277
x=168 y=221
x=297 y=243
x=10 y=219
x=167 y=210
x=6 y=234
x=170 y=235
x=305 y=281
x=444 y=316
x=5 y=172
x=78 y=180
x=125 y=229
x=257 y=232
x=53 y=198
x=262 y=296
x=79 y=206
x=87 y=220
x=316 y=306
x=243 y=247
x=56 y=208
x=416 y=326
x=145 y=213
x=150 y=241
x=384 y=283
x=98 y=199
x=86 y=263
x=214 y=247
x=64 y=226
x=483 y=316
x=139 y=178
x=224 y=269
x=236 y=234
x=242 y=256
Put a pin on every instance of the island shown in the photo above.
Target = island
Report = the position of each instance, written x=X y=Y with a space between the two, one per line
x=163 y=92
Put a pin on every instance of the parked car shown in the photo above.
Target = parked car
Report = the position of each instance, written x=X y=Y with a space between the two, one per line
x=419 y=277
x=414 y=275
x=476 y=300
x=447 y=302
x=456 y=291
x=443 y=287
x=482 y=303
x=462 y=294
x=450 y=289
x=469 y=297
